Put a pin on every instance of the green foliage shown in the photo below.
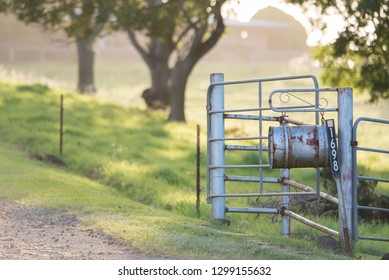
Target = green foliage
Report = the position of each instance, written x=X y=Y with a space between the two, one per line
x=178 y=33
x=4 y=5
x=367 y=196
x=359 y=55
x=77 y=18
x=129 y=149
x=81 y=20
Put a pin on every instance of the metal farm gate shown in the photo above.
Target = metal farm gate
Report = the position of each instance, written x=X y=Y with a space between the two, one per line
x=357 y=177
x=283 y=142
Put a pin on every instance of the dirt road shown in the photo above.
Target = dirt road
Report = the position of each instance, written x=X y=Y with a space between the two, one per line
x=33 y=233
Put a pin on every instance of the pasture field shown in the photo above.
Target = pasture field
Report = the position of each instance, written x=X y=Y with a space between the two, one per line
x=113 y=140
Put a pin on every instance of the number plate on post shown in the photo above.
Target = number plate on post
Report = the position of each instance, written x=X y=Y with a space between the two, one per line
x=333 y=148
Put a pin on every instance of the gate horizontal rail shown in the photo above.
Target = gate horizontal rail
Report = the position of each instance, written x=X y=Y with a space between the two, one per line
x=237 y=138
x=253 y=210
x=262 y=194
x=240 y=166
x=245 y=148
x=309 y=189
x=252 y=179
x=310 y=223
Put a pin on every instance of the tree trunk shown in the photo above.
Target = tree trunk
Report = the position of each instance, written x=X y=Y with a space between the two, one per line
x=157 y=97
x=86 y=57
x=183 y=47
x=156 y=55
x=179 y=80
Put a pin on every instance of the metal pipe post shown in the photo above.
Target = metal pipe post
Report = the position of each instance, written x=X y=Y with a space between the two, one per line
x=217 y=157
x=285 y=200
x=285 y=203
x=345 y=132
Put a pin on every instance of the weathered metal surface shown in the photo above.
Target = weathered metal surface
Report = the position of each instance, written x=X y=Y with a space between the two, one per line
x=293 y=121
x=251 y=117
x=238 y=166
x=244 y=148
x=310 y=223
x=217 y=157
x=251 y=179
x=266 y=194
x=285 y=203
x=373 y=179
x=298 y=146
x=308 y=189
x=345 y=193
x=373 y=238
x=253 y=210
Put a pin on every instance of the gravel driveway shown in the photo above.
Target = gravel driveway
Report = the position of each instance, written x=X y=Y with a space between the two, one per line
x=31 y=233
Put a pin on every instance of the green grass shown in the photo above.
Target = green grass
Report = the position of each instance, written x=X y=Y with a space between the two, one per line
x=148 y=229
x=143 y=158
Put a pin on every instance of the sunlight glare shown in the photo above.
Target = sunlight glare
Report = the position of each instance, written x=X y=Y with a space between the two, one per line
x=246 y=9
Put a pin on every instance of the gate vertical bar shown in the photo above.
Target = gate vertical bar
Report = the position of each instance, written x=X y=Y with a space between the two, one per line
x=285 y=200
x=345 y=130
x=260 y=136
x=355 y=234
x=285 y=203
x=217 y=148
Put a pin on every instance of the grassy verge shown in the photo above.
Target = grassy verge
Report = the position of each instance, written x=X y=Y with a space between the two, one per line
x=131 y=155
x=148 y=229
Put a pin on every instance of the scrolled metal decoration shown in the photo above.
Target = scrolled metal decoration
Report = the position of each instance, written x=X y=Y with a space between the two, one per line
x=321 y=104
x=283 y=95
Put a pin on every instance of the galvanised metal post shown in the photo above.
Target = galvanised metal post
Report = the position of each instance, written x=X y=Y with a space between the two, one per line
x=285 y=200
x=217 y=148
x=285 y=203
x=345 y=132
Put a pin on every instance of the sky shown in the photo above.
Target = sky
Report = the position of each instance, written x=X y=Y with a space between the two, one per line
x=248 y=8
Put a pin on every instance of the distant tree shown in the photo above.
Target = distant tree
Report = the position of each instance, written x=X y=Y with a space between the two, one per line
x=83 y=20
x=4 y=5
x=171 y=36
x=360 y=54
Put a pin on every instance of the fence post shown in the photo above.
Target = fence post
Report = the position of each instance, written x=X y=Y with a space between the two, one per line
x=198 y=156
x=217 y=148
x=345 y=130
x=285 y=200
x=285 y=203
x=61 y=126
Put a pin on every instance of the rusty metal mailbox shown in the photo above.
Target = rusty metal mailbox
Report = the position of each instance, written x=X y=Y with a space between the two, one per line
x=298 y=146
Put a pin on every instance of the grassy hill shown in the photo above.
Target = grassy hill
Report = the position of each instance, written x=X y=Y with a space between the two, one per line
x=128 y=172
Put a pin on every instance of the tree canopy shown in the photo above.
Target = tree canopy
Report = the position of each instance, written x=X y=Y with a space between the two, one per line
x=82 y=20
x=172 y=36
x=359 y=56
x=4 y=5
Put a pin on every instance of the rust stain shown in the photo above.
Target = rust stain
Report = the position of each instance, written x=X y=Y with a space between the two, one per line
x=312 y=142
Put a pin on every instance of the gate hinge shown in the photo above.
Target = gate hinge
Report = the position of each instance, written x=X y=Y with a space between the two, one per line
x=208 y=107
x=353 y=143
